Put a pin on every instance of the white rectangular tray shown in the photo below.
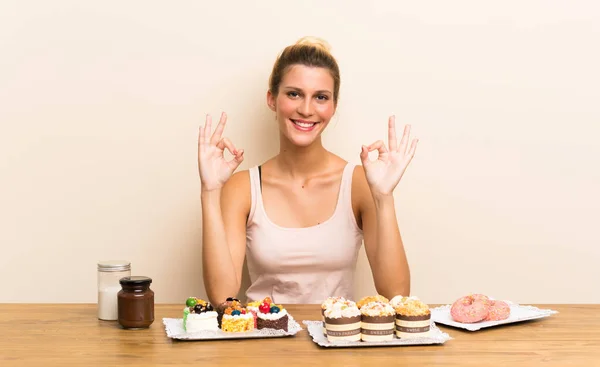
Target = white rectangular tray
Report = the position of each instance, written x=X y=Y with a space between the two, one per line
x=315 y=329
x=518 y=313
x=174 y=329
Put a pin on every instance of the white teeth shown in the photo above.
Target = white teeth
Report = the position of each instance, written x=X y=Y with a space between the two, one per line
x=304 y=124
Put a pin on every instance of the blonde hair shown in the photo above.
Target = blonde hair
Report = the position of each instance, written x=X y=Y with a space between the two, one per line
x=307 y=51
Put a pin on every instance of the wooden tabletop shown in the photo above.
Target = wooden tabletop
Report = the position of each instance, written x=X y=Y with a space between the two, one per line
x=70 y=334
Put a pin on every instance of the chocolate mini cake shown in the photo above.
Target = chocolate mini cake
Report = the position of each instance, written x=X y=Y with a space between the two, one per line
x=271 y=316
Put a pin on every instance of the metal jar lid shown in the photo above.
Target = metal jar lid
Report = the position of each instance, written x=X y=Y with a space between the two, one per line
x=114 y=265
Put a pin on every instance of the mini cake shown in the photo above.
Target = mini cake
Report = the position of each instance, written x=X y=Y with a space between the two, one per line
x=329 y=302
x=252 y=307
x=271 y=316
x=378 y=298
x=413 y=318
x=230 y=302
x=199 y=315
x=237 y=319
x=342 y=322
x=377 y=322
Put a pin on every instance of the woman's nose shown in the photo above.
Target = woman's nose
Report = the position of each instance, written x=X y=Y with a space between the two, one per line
x=305 y=108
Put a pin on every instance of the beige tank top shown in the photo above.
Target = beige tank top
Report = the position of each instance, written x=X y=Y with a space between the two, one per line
x=302 y=265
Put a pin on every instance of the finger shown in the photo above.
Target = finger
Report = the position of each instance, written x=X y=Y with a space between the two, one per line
x=364 y=155
x=379 y=146
x=404 y=142
x=392 y=143
x=413 y=148
x=219 y=130
x=237 y=160
x=226 y=143
x=207 y=128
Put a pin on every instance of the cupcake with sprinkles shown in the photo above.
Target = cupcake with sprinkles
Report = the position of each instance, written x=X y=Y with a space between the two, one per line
x=199 y=315
x=377 y=322
x=342 y=322
x=413 y=318
x=328 y=303
x=271 y=316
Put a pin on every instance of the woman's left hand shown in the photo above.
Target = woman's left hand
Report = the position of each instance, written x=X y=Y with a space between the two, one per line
x=384 y=173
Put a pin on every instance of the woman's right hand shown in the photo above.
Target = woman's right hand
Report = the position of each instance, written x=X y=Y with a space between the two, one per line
x=213 y=168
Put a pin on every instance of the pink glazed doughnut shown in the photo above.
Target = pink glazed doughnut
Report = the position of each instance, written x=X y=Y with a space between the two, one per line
x=470 y=309
x=499 y=310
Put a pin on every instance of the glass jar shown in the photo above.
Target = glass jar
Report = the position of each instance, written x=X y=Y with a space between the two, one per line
x=109 y=273
x=136 y=302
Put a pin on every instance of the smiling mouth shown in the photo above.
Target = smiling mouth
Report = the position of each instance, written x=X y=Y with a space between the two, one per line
x=304 y=124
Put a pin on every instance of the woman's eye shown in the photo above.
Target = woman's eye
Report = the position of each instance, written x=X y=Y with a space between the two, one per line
x=293 y=94
x=322 y=97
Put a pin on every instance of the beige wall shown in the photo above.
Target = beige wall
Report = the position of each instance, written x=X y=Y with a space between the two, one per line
x=100 y=104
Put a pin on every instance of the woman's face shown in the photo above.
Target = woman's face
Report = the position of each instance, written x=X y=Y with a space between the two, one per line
x=304 y=104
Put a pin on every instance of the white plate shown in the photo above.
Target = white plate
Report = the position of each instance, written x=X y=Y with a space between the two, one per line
x=518 y=313
x=315 y=329
x=174 y=329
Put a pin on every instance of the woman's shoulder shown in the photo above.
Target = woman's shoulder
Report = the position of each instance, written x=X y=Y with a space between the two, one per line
x=236 y=191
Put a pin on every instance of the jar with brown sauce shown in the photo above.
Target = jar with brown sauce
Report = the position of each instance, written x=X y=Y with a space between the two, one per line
x=135 y=302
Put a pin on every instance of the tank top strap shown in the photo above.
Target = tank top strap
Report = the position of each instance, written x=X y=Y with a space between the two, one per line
x=345 y=195
x=255 y=192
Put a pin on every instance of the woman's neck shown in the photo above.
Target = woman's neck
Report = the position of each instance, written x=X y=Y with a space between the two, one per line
x=301 y=162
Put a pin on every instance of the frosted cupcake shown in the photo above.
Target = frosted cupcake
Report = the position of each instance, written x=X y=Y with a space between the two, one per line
x=342 y=323
x=328 y=303
x=377 y=322
x=413 y=318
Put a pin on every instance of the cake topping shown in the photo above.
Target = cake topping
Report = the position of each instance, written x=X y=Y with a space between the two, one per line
x=369 y=299
x=191 y=302
x=197 y=305
x=333 y=300
x=341 y=310
x=267 y=306
x=377 y=309
x=254 y=304
x=412 y=306
x=232 y=299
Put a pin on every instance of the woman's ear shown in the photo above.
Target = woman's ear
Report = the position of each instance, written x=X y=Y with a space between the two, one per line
x=270 y=100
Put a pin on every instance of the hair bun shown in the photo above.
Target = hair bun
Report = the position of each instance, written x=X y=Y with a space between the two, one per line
x=315 y=42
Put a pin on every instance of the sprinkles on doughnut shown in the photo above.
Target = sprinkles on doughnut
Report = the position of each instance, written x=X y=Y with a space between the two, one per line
x=478 y=307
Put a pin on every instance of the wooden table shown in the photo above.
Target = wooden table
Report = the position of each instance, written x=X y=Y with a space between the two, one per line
x=70 y=334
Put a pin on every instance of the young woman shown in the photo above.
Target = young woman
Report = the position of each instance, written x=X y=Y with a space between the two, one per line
x=300 y=218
